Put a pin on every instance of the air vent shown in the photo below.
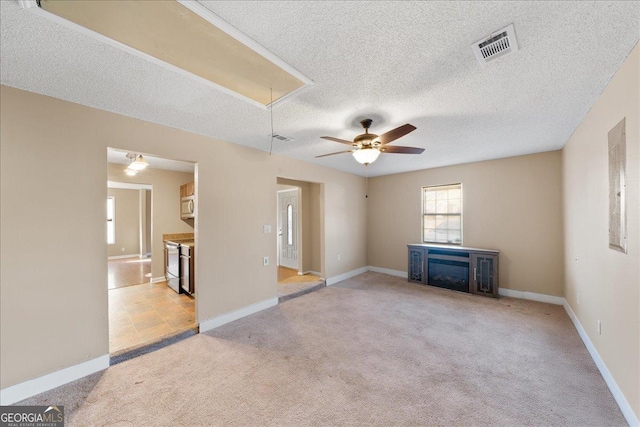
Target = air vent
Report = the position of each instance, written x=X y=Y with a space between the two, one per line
x=499 y=43
x=282 y=137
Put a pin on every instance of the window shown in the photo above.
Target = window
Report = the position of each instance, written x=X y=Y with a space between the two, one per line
x=442 y=214
x=289 y=225
x=111 y=220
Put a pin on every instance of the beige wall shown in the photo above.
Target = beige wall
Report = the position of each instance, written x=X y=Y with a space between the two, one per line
x=165 y=205
x=607 y=281
x=314 y=217
x=513 y=205
x=309 y=221
x=147 y=220
x=127 y=220
x=144 y=200
x=236 y=188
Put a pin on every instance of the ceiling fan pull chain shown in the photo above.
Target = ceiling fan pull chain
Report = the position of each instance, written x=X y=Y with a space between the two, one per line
x=366 y=180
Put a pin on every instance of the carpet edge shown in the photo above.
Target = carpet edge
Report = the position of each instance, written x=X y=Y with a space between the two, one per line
x=621 y=400
x=29 y=388
x=223 y=319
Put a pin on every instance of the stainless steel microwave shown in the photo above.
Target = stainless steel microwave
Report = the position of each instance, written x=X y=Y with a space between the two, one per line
x=187 y=207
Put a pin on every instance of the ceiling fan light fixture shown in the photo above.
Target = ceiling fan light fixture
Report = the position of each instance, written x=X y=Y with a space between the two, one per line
x=366 y=155
x=130 y=172
x=366 y=147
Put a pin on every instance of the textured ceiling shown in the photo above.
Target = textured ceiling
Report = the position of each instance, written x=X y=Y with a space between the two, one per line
x=396 y=62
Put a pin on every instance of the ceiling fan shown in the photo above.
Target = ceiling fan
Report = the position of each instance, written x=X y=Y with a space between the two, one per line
x=368 y=146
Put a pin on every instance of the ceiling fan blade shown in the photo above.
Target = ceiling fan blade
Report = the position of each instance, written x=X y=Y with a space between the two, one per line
x=396 y=133
x=342 y=141
x=331 y=154
x=397 y=149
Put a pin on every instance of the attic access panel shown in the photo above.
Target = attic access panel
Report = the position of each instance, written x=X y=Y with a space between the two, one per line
x=186 y=35
x=617 y=187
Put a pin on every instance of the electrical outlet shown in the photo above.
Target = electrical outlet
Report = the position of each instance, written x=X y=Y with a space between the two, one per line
x=339 y=257
x=122 y=249
x=599 y=327
x=266 y=229
x=265 y=261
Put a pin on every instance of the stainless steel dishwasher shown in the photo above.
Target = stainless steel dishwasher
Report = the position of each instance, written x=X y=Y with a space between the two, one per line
x=172 y=260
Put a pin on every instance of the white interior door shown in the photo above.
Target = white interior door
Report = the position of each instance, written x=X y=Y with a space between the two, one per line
x=288 y=228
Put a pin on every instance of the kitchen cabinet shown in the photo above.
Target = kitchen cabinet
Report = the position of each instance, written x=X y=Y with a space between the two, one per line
x=187 y=190
x=187 y=271
x=472 y=270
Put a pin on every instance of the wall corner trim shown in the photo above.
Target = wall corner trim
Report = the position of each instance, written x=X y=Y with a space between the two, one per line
x=344 y=276
x=223 y=319
x=622 y=402
x=550 y=299
x=389 y=271
x=50 y=381
x=317 y=273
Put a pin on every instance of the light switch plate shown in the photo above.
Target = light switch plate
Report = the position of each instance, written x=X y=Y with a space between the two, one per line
x=265 y=261
x=266 y=229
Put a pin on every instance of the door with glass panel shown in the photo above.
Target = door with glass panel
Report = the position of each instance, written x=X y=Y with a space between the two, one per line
x=288 y=228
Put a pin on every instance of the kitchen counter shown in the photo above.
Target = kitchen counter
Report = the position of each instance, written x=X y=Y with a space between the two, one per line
x=178 y=237
x=191 y=243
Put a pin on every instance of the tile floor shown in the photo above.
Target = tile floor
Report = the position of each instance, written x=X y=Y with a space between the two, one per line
x=128 y=271
x=145 y=313
x=289 y=275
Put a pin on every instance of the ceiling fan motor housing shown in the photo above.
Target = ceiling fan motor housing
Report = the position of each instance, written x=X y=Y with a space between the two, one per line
x=365 y=139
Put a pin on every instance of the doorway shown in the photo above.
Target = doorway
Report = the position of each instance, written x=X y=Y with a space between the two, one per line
x=128 y=241
x=288 y=235
x=144 y=212
x=299 y=240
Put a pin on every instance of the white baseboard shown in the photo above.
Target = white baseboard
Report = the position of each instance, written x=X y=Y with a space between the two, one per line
x=626 y=409
x=309 y=272
x=550 y=299
x=389 y=271
x=124 y=256
x=344 y=276
x=158 y=279
x=223 y=319
x=50 y=381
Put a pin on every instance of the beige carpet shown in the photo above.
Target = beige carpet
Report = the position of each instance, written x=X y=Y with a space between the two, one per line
x=373 y=350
